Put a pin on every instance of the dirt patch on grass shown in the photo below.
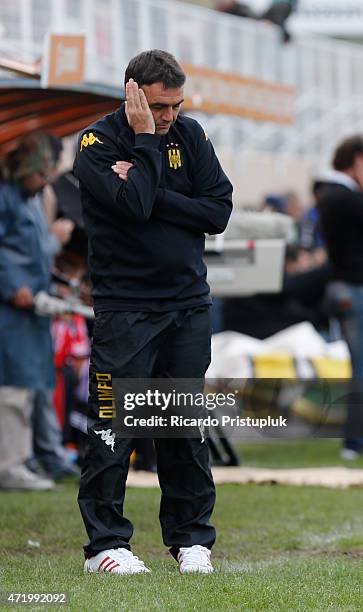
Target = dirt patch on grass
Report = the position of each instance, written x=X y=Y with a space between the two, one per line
x=350 y=554
x=331 y=477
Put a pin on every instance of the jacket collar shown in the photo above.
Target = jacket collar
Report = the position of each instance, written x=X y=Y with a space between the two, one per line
x=341 y=178
x=124 y=130
x=120 y=115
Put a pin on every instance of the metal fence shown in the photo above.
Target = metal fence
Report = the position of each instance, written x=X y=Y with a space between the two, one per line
x=326 y=73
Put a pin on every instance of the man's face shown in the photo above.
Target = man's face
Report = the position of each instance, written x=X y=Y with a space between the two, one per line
x=35 y=182
x=164 y=105
x=357 y=170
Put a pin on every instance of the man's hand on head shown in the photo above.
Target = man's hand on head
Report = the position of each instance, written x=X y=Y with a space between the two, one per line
x=121 y=168
x=138 y=113
x=22 y=298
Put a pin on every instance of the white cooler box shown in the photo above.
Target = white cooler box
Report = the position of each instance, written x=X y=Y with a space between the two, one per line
x=245 y=267
x=249 y=257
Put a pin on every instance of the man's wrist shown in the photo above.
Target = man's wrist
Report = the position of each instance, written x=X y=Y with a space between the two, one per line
x=144 y=132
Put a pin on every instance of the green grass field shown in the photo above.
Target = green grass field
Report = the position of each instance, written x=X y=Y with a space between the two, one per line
x=278 y=548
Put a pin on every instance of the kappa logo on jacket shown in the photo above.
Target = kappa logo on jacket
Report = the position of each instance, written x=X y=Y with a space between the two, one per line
x=89 y=139
x=108 y=437
x=174 y=156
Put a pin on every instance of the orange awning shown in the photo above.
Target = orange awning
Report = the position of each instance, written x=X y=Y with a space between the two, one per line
x=25 y=107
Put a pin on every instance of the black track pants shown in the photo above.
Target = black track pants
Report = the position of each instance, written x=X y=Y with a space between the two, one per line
x=142 y=345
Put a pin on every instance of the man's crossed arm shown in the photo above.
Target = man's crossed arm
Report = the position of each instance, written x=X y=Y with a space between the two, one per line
x=208 y=212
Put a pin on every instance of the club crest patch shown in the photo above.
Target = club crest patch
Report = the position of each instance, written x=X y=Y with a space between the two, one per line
x=174 y=156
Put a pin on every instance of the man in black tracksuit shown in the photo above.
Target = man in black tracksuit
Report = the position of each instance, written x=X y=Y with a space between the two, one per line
x=151 y=187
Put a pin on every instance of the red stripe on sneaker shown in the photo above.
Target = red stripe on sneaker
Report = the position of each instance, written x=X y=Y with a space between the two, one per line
x=105 y=567
x=111 y=567
x=102 y=562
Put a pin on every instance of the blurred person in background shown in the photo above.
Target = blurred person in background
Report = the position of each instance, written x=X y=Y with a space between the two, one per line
x=274 y=203
x=49 y=199
x=234 y=7
x=289 y=204
x=311 y=237
x=278 y=13
x=26 y=355
x=294 y=207
x=341 y=218
x=71 y=343
x=48 y=453
x=300 y=299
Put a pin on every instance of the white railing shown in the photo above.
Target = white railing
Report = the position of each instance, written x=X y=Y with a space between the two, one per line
x=325 y=73
x=342 y=18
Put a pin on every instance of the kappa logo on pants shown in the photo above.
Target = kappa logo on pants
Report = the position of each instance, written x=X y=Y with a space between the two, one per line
x=108 y=437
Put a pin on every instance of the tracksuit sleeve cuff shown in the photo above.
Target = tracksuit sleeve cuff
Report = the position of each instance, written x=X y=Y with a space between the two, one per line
x=149 y=140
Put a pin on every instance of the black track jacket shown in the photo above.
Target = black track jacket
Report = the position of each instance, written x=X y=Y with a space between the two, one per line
x=146 y=234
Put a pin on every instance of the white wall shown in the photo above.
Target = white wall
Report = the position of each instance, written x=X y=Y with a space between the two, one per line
x=256 y=174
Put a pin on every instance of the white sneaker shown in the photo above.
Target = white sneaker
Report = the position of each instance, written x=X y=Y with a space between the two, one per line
x=19 y=478
x=194 y=559
x=349 y=454
x=115 y=561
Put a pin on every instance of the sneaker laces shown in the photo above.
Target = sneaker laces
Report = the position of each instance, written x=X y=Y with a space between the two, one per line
x=126 y=555
x=194 y=554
